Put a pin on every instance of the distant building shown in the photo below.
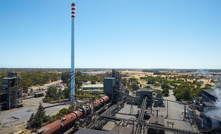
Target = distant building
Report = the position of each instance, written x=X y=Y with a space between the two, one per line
x=93 y=86
x=95 y=91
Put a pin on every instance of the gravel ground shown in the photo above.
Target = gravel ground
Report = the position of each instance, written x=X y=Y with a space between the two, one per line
x=24 y=113
x=175 y=115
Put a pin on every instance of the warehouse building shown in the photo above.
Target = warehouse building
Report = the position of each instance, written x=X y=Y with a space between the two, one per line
x=93 y=87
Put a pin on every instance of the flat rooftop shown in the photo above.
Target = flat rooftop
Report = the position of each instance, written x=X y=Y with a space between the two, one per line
x=93 y=85
x=211 y=92
x=208 y=104
x=9 y=78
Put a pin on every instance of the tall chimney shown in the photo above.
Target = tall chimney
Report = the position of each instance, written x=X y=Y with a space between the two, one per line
x=72 y=52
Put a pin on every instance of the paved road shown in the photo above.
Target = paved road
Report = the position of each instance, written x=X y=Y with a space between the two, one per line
x=175 y=114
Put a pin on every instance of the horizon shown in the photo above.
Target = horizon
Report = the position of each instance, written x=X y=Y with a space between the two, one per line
x=205 y=69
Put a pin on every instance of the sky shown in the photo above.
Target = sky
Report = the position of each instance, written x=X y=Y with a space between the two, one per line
x=111 y=34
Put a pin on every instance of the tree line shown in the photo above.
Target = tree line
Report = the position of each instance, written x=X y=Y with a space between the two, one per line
x=183 y=89
x=37 y=78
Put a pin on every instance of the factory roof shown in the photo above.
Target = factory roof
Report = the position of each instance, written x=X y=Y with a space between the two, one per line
x=157 y=120
x=90 y=131
x=9 y=78
x=95 y=90
x=94 y=86
x=210 y=91
x=109 y=78
x=208 y=104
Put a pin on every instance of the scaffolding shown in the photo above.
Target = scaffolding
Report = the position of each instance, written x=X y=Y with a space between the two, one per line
x=11 y=93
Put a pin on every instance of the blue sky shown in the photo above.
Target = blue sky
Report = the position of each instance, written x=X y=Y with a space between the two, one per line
x=111 y=34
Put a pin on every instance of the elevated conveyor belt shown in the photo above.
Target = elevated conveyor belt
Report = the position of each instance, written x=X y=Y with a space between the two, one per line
x=117 y=91
x=141 y=115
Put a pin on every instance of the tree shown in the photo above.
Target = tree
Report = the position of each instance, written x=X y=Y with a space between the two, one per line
x=158 y=91
x=39 y=116
x=208 y=86
x=78 y=81
x=151 y=81
x=31 y=120
x=93 y=82
x=164 y=85
x=25 y=84
x=186 y=95
x=135 y=86
x=165 y=92
x=133 y=80
x=65 y=76
x=124 y=81
x=66 y=92
x=51 y=92
x=36 y=120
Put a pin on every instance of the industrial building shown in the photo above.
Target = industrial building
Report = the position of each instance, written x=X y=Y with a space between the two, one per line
x=11 y=92
x=141 y=94
x=93 y=87
x=212 y=123
x=94 y=92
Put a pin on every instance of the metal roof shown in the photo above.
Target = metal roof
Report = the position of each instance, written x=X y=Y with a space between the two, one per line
x=109 y=78
x=94 y=86
x=90 y=131
x=9 y=78
x=208 y=104
x=211 y=92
